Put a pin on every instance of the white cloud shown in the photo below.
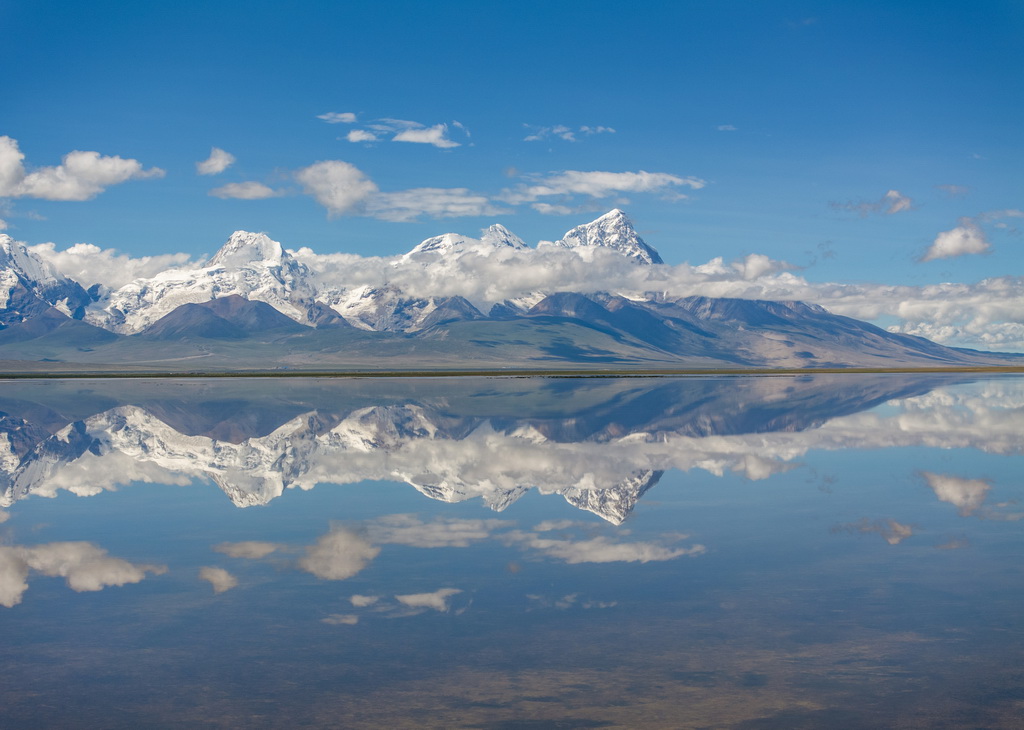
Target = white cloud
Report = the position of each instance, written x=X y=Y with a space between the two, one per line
x=12 y=171
x=438 y=600
x=3 y=225
x=338 y=186
x=338 y=117
x=599 y=184
x=563 y=132
x=549 y=209
x=220 y=579
x=436 y=135
x=896 y=202
x=726 y=128
x=966 y=238
x=338 y=555
x=889 y=204
x=84 y=566
x=407 y=205
x=954 y=191
x=216 y=163
x=249 y=190
x=80 y=176
x=89 y=264
x=361 y=135
x=251 y=549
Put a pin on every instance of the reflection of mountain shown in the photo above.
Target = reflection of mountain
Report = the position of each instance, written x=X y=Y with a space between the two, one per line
x=600 y=443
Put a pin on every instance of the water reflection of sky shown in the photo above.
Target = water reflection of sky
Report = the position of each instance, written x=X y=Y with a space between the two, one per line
x=779 y=567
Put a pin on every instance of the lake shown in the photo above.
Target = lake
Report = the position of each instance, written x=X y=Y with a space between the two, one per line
x=730 y=552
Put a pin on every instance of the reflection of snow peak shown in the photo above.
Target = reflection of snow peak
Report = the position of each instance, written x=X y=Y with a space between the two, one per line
x=599 y=468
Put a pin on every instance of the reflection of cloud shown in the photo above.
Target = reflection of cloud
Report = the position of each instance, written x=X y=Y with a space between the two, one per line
x=965 y=494
x=252 y=549
x=438 y=600
x=220 y=579
x=599 y=549
x=338 y=555
x=341 y=619
x=84 y=566
x=893 y=532
x=443 y=532
x=549 y=525
x=568 y=601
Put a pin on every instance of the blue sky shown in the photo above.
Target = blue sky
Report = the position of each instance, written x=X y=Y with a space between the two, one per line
x=771 y=128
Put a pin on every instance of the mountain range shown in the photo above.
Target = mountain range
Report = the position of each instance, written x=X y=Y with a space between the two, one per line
x=257 y=306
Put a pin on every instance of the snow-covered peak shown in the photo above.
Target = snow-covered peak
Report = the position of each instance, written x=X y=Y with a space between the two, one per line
x=15 y=256
x=499 y=236
x=612 y=230
x=246 y=248
x=445 y=243
x=496 y=236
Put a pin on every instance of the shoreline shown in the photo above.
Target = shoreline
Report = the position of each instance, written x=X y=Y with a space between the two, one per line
x=505 y=372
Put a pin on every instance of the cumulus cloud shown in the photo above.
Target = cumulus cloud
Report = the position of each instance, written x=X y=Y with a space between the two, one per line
x=84 y=566
x=89 y=264
x=598 y=184
x=889 y=204
x=338 y=555
x=248 y=190
x=436 y=135
x=338 y=186
x=251 y=549
x=966 y=238
x=338 y=117
x=220 y=579
x=361 y=135
x=363 y=601
x=438 y=600
x=216 y=163
x=80 y=176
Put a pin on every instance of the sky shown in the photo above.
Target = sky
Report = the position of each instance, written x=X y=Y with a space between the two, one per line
x=866 y=143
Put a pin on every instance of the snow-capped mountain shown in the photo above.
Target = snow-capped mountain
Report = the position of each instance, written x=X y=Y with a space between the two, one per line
x=29 y=285
x=254 y=266
x=495 y=237
x=612 y=230
x=249 y=265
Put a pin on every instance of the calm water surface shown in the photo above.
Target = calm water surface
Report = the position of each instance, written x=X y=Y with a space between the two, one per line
x=731 y=552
